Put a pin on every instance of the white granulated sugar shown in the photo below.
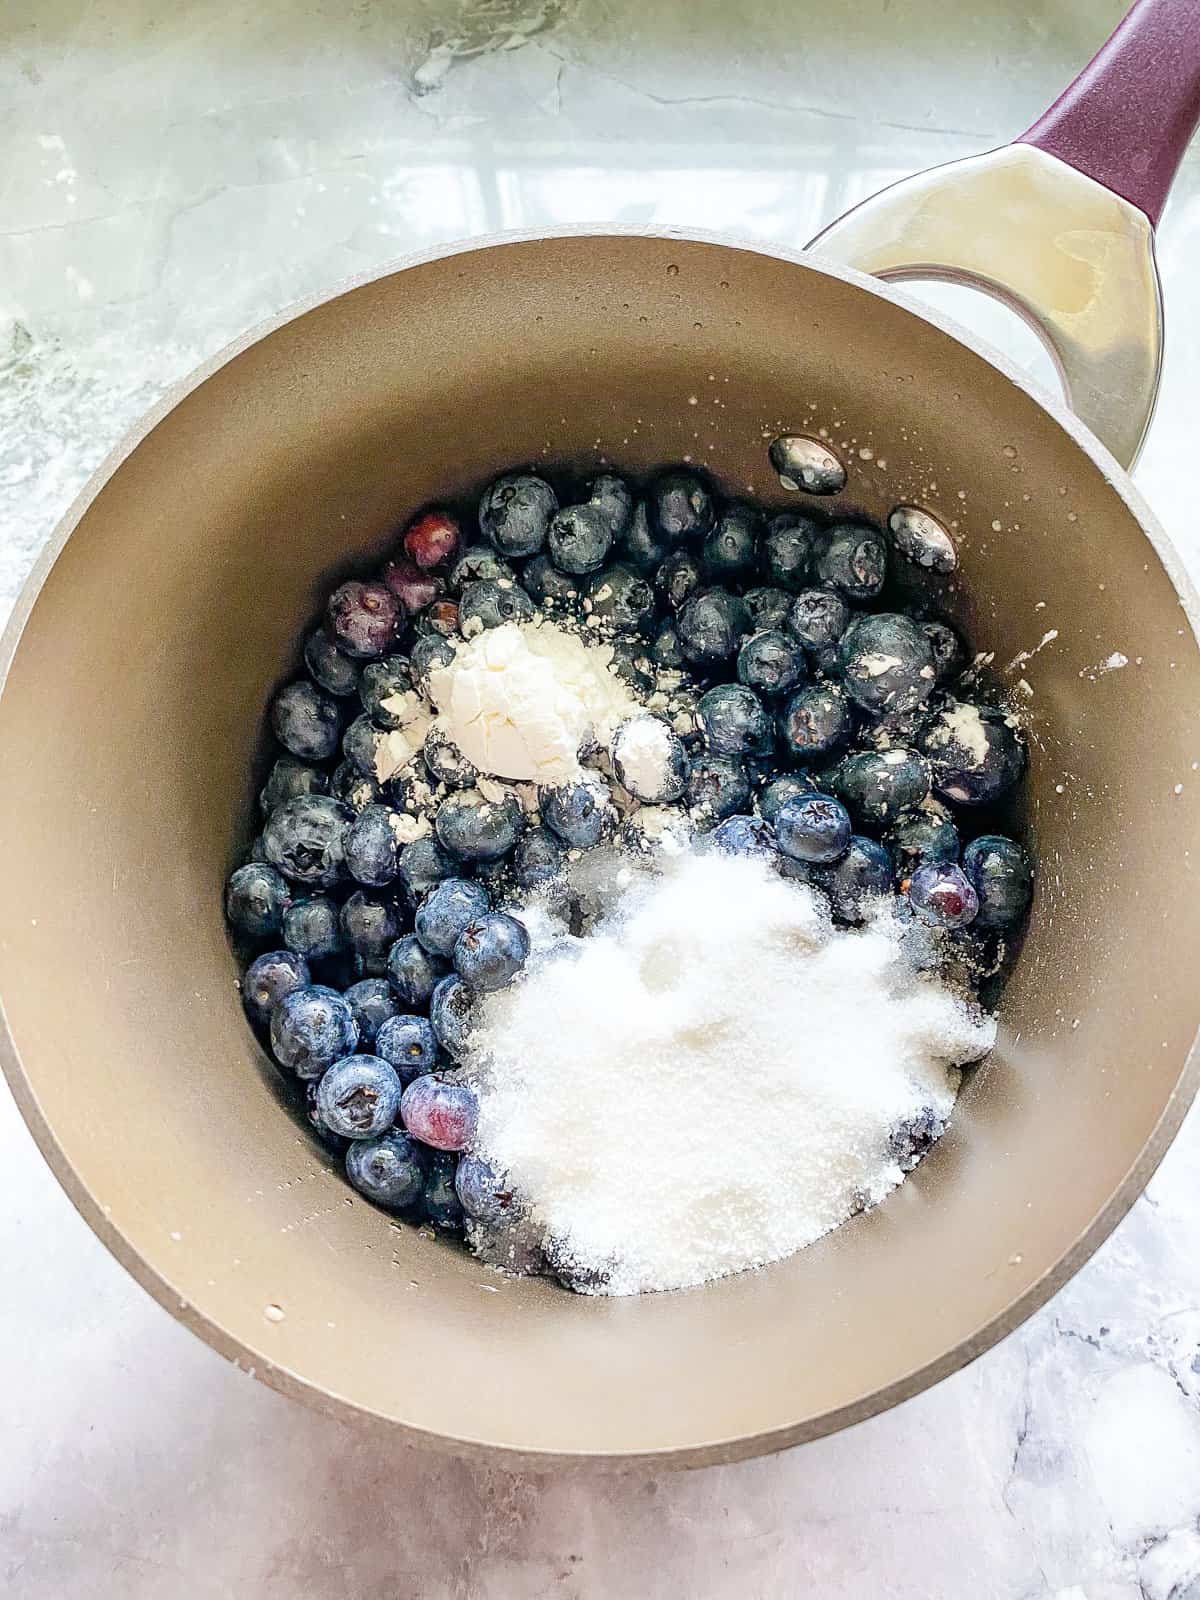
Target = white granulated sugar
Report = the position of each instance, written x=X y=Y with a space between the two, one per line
x=708 y=1080
x=521 y=700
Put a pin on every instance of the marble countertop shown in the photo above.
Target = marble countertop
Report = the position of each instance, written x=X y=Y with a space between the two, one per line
x=168 y=175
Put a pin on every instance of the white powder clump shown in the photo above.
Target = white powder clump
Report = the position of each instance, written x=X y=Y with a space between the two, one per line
x=398 y=748
x=520 y=701
x=648 y=759
x=708 y=1080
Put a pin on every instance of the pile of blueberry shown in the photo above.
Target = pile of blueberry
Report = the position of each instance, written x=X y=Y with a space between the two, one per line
x=811 y=708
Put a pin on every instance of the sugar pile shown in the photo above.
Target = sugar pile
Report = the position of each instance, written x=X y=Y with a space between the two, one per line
x=708 y=1080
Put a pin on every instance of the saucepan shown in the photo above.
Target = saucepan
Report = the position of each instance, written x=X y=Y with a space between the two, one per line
x=142 y=650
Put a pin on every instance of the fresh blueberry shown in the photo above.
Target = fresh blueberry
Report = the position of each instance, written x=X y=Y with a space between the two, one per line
x=1002 y=878
x=287 y=779
x=787 y=786
x=787 y=550
x=409 y=1043
x=678 y=578
x=877 y=786
x=813 y=827
x=269 y=978
x=640 y=546
x=613 y=497
x=361 y=744
x=334 y=672
x=354 y=788
x=547 y=586
x=372 y=1002
x=491 y=603
x=427 y=653
x=311 y=1029
x=680 y=507
x=745 y=836
x=818 y=618
x=975 y=752
x=731 y=544
x=949 y=651
x=383 y=680
x=887 y=663
x=473 y=828
x=621 y=599
x=579 y=539
x=422 y=864
x=538 y=858
x=333 y=1142
x=925 y=837
x=311 y=928
x=858 y=878
x=768 y=607
x=816 y=721
x=579 y=813
x=359 y=1097
x=515 y=512
x=388 y=1171
x=771 y=663
x=372 y=849
x=446 y=762
x=735 y=722
x=439 y=1200
x=717 y=786
x=483 y=1192
x=306 y=838
x=370 y=926
x=413 y=590
x=413 y=972
x=451 y=1013
x=490 y=951
x=712 y=625
x=440 y=1112
x=446 y=910
x=853 y=558
x=649 y=760
x=363 y=618
x=475 y=564
x=942 y=894
x=256 y=898
x=666 y=649
x=306 y=720
x=432 y=539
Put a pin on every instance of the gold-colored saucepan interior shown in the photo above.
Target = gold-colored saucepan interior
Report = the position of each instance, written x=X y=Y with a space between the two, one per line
x=132 y=713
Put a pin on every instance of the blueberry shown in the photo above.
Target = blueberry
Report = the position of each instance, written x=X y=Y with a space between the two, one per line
x=311 y=1029
x=269 y=978
x=975 y=753
x=547 y=586
x=678 y=578
x=256 y=898
x=490 y=951
x=816 y=721
x=640 y=545
x=388 y=1170
x=483 y=1192
x=787 y=550
x=731 y=545
x=771 y=663
x=942 y=894
x=717 y=786
x=927 y=836
x=806 y=464
x=451 y=1013
x=383 y=680
x=515 y=512
x=745 y=836
x=306 y=838
x=613 y=497
x=712 y=625
x=363 y=618
x=432 y=539
x=306 y=720
x=311 y=928
x=372 y=1002
x=1002 y=878
x=949 y=651
x=880 y=785
x=787 y=786
x=767 y=607
x=439 y=1200
x=818 y=618
x=440 y=1112
x=446 y=762
x=853 y=558
x=354 y=788
x=476 y=829
x=332 y=1142
x=632 y=664
x=620 y=598
x=666 y=649
x=333 y=671
x=422 y=864
x=902 y=727
x=361 y=745
x=680 y=507
x=859 y=877
x=813 y=827
x=480 y=561
x=735 y=722
x=359 y=1097
x=372 y=849
x=579 y=813
x=648 y=759
x=538 y=858
x=491 y=603
x=887 y=662
x=910 y=1141
x=445 y=912
x=579 y=539
x=413 y=590
x=410 y=1045
x=288 y=778
x=370 y=926
x=427 y=653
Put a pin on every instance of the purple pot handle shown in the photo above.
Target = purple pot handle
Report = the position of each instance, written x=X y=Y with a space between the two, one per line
x=1127 y=118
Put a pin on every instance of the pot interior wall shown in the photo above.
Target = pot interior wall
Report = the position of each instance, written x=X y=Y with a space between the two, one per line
x=133 y=708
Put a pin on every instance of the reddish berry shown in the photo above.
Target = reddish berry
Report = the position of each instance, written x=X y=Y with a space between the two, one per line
x=413 y=588
x=943 y=894
x=363 y=618
x=442 y=617
x=440 y=1113
x=432 y=540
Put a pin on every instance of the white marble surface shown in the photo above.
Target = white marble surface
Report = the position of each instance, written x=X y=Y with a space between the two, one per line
x=168 y=174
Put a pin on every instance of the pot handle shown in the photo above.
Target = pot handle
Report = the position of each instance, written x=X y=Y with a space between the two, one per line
x=1060 y=224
